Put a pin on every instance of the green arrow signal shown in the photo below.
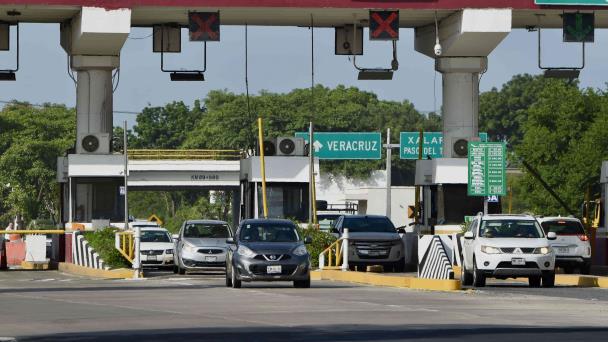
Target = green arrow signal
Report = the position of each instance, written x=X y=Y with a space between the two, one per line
x=579 y=32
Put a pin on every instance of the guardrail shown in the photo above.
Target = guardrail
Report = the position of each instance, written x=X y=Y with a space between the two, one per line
x=126 y=245
x=337 y=254
x=136 y=154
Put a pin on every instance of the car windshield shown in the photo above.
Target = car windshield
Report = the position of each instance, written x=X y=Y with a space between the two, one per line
x=563 y=227
x=206 y=230
x=155 y=236
x=264 y=232
x=510 y=229
x=369 y=225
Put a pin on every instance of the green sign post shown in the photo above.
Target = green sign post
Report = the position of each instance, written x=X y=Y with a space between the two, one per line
x=345 y=145
x=487 y=169
x=432 y=144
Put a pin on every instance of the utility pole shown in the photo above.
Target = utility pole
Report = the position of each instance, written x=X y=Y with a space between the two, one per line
x=311 y=152
x=389 y=154
x=137 y=234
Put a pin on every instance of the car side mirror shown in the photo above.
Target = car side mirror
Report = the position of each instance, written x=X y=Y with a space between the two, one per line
x=175 y=236
x=401 y=230
x=551 y=236
x=230 y=241
x=469 y=235
x=307 y=240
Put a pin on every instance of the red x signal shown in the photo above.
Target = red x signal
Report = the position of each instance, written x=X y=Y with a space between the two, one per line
x=384 y=25
x=204 y=26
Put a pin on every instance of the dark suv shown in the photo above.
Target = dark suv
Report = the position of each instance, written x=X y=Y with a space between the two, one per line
x=373 y=240
x=268 y=250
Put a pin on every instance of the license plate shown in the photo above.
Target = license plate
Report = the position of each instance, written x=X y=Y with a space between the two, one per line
x=273 y=269
x=563 y=250
x=518 y=261
x=374 y=253
x=152 y=258
x=210 y=258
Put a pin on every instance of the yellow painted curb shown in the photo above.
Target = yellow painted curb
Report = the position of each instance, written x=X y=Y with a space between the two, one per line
x=456 y=271
x=435 y=284
x=120 y=273
x=390 y=280
x=315 y=275
x=28 y=265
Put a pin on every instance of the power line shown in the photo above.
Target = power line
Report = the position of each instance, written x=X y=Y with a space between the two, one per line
x=42 y=106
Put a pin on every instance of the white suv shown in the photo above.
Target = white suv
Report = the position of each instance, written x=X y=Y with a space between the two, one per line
x=572 y=247
x=507 y=246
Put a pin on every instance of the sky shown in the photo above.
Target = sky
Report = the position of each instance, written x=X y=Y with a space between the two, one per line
x=279 y=61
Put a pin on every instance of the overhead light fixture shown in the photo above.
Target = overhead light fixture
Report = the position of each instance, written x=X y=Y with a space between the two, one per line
x=375 y=74
x=7 y=76
x=568 y=74
x=187 y=76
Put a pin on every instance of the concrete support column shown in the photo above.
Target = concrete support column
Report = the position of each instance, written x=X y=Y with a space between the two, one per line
x=460 y=112
x=94 y=98
x=467 y=37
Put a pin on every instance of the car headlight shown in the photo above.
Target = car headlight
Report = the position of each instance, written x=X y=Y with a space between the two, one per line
x=490 y=250
x=246 y=252
x=543 y=250
x=189 y=248
x=300 y=250
x=168 y=251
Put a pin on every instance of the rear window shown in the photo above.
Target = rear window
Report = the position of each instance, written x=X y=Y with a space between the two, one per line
x=564 y=227
x=369 y=225
x=206 y=231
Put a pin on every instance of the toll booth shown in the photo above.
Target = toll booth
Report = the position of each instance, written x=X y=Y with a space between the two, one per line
x=287 y=181
x=91 y=188
x=445 y=201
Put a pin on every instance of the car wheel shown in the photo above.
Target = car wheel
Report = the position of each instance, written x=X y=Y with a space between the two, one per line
x=175 y=269
x=534 y=281
x=181 y=270
x=228 y=278
x=479 y=279
x=586 y=268
x=302 y=284
x=236 y=283
x=466 y=278
x=568 y=270
x=548 y=279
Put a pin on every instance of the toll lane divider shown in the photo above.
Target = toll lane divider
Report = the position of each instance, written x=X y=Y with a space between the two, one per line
x=121 y=273
x=377 y=279
x=578 y=280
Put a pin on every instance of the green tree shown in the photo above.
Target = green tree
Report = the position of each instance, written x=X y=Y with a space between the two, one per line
x=31 y=139
x=564 y=140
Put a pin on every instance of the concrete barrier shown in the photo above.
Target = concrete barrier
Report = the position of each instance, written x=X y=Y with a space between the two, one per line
x=121 y=273
x=388 y=280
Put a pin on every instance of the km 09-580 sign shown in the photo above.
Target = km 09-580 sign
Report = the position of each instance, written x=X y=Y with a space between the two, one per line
x=345 y=145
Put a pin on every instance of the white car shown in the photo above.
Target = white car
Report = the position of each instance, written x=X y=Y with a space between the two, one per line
x=201 y=244
x=507 y=246
x=156 y=247
x=572 y=247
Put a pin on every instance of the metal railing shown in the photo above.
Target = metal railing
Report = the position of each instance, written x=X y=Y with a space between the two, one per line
x=126 y=245
x=138 y=154
x=337 y=254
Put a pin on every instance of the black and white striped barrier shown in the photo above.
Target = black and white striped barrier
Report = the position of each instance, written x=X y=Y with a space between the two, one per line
x=85 y=255
x=456 y=243
x=434 y=257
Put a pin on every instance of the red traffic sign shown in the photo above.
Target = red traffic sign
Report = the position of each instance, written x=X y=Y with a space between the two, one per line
x=204 y=26
x=383 y=25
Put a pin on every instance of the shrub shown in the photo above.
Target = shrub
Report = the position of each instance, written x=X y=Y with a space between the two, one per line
x=102 y=242
x=320 y=241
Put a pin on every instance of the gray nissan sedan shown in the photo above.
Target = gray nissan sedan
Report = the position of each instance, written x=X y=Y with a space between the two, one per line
x=267 y=250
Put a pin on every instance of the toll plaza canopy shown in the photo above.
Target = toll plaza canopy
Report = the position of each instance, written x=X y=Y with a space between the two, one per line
x=328 y=13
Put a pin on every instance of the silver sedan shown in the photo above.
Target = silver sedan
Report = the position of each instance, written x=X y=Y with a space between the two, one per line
x=201 y=244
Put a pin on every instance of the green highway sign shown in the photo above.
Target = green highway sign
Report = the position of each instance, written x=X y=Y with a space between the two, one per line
x=578 y=27
x=572 y=2
x=432 y=144
x=345 y=145
x=487 y=169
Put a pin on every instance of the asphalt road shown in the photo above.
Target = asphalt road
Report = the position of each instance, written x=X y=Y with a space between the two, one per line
x=50 y=306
